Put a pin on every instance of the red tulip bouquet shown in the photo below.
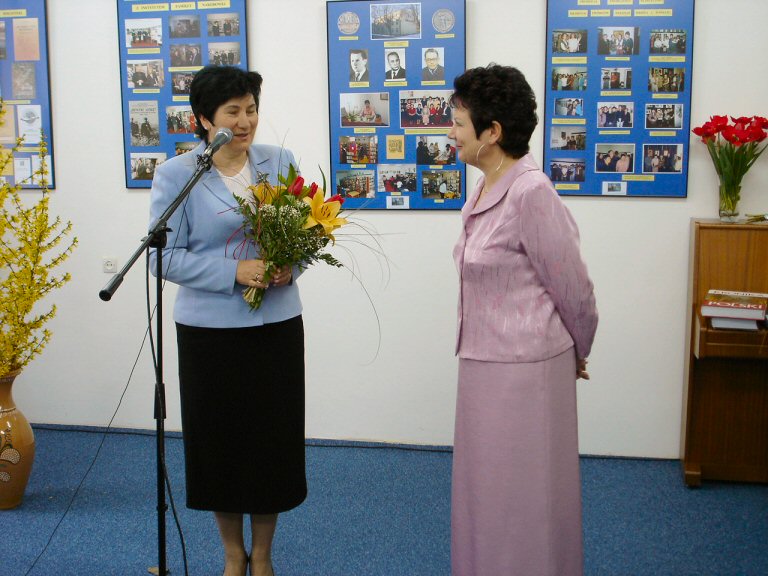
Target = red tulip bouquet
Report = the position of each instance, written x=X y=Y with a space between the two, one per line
x=734 y=146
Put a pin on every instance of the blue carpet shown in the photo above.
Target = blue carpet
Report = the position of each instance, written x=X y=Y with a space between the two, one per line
x=372 y=510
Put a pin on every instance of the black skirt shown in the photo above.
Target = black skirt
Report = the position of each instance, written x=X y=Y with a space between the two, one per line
x=242 y=413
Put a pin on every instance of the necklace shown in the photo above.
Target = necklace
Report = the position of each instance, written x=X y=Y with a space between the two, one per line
x=238 y=183
x=221 y=168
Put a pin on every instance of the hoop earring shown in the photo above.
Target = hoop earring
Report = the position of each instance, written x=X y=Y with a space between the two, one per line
x=501 y=162
x=477 y=156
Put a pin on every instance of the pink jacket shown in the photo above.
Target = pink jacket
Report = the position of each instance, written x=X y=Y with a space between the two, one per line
x=525 y=294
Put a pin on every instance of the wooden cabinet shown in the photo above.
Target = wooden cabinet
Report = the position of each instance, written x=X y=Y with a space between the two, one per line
x=725 y=433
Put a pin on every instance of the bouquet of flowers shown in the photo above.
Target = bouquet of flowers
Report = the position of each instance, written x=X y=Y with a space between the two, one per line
x=734 y=146
x=291 y=224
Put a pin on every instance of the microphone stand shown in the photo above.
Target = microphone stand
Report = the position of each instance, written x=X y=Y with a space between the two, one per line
x=157 y=238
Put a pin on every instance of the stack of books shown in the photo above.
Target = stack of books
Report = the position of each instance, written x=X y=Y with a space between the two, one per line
x=735 y=310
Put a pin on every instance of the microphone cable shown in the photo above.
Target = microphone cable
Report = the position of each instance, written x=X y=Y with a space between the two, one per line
x=148 y=335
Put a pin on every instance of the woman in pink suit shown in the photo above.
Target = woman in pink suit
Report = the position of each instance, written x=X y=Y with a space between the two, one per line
x=526 y=321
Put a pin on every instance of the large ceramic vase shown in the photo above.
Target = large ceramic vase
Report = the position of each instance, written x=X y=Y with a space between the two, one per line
x=17 y=447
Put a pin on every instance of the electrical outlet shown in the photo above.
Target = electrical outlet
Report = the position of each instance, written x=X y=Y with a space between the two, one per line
x=109 y=265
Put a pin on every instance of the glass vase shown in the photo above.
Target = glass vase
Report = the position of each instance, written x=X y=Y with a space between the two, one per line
x=729 y=202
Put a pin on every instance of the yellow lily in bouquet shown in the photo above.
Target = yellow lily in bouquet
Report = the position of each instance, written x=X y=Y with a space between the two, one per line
x=265 y=193
x=290 y=224
x=324 y=213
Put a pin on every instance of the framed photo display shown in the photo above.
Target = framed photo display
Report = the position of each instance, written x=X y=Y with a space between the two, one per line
x=618 y=97
x=25 y=91
x=162 y=45
x=390 y=76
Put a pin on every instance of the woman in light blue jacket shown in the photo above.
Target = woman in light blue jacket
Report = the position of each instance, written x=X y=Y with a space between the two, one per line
x=241 y=372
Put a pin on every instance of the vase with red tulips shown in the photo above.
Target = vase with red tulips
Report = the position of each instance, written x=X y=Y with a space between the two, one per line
x=733 y=146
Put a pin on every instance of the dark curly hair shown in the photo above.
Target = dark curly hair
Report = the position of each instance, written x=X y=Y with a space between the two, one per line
x=499 y=93
x=212 y=86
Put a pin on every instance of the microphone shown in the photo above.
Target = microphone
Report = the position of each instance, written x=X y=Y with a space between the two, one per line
x=222 y=136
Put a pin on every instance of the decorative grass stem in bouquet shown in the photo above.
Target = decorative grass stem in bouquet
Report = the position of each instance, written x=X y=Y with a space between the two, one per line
x=291 y=225
x=733 y=146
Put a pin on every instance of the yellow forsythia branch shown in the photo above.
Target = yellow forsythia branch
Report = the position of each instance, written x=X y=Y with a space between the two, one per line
x=30 y=250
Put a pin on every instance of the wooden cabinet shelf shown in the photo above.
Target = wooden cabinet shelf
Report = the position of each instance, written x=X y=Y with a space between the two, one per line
x=725 y=432
x=717 y=342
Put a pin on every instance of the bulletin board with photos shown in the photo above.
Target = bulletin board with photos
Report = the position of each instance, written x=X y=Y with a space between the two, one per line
x=618 y=97
x=391 y=67
x=162 y=46
x=25 y=91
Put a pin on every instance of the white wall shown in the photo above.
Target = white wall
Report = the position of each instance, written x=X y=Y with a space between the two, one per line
x=636 y=249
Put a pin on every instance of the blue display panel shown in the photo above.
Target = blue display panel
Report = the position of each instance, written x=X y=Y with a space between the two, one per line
x=25 y=90
x=618 y=96
x=391 y=67
x=162 y=45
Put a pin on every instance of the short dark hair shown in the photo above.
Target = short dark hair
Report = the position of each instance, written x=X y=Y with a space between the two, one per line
x=501 y=94
x=212 y=86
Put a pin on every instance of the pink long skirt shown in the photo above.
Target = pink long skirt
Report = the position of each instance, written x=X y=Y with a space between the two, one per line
x=516 y=491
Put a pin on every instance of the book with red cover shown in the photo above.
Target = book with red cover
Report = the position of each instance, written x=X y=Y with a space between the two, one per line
x=729 y=304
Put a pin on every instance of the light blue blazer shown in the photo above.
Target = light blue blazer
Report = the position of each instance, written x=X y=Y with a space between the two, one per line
x=206 y=241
